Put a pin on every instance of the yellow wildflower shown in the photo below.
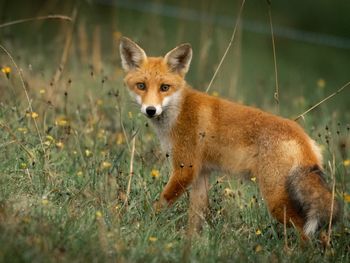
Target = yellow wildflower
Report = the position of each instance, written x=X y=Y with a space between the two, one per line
x=50 y=138
x=6 y=71
x=106 y=165
x=346 y=162
x=44 y=200
x=253 y=179
x=47 y=143
x=258 y=248
x=79 y=173
x=120 y=138
x=62 y=121
x=169 y=246
x=215 y=94
x=101 y=133
x=98 y=214
x=23 y=130
x=32 y=115
x=152 y=239
x=155 y=173
x=88 y=153
x=321 y=83
x=347 y=198
x=258 y=232
x=228 y=192
x=59 y=145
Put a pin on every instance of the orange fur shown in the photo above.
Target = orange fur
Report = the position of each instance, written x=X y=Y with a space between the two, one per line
x=204 y=133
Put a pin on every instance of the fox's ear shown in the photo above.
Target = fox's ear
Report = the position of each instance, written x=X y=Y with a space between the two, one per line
x=131 y=54
x=179 y=58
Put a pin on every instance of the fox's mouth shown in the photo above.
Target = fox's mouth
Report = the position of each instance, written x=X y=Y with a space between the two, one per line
x=157 y=117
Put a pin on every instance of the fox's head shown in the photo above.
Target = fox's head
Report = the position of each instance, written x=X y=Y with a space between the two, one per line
x=155 y=82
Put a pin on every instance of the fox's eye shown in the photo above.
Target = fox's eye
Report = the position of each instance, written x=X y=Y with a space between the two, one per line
x=141 y=86
x=164 y=87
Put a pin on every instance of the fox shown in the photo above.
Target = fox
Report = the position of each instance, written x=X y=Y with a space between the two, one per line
x=202 y=133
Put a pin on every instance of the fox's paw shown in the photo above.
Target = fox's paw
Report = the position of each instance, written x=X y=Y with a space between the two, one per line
x=160 y=205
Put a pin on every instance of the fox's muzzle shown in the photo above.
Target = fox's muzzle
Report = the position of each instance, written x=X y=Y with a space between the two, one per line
x=151 y=111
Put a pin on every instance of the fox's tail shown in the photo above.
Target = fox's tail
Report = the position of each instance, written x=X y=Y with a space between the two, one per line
x=312 y=198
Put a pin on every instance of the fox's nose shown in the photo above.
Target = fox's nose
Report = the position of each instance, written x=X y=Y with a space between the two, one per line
x=151 y=111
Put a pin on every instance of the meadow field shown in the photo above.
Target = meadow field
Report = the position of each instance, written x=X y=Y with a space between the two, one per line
x=81 y=166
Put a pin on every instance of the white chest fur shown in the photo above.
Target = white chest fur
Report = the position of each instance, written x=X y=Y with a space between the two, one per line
x=164 y=123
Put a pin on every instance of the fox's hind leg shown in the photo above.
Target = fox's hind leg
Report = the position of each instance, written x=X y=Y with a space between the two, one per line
x=282 y=208
x=272 y=170
x=198 y=203
x=299 y=189
x=284 y=211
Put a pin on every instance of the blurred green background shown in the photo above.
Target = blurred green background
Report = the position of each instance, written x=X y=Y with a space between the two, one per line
x=312 y=43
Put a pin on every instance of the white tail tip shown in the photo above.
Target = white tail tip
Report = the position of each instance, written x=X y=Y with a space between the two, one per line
x=311 y=226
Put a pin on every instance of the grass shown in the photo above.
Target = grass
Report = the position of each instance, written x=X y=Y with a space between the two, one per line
x=63 y=198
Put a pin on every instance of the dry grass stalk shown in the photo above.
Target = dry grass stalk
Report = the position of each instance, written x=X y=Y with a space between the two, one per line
x=96 y=50
x=322 y=101
x=14 y=137
x=102 y=234
x=285 y=229
x=131 y=171
x=228 y=46
x=83 y=42
x=329 y=232
x=276 y=95
x=206 y=38
x=48 y=7
x=27 y=96
x=236 y=67
x=119 y=109
x=20 y=21
x=66 y=49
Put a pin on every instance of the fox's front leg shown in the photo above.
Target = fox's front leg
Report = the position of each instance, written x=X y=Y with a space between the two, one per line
x=198 y=203
x=182 y=176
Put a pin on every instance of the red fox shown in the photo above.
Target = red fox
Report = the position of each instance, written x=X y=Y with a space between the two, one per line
x=202 y=133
